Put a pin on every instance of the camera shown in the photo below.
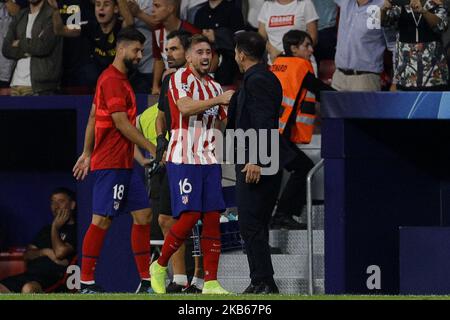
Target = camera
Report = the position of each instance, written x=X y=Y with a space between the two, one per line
x=400 y=2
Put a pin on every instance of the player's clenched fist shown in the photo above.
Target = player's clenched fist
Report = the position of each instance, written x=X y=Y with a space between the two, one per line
x=226 y=97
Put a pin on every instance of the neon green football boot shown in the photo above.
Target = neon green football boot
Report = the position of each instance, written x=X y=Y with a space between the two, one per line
x=213 y=287
x=158 y=275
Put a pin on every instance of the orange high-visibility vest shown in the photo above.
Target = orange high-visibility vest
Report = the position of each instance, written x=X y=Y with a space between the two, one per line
x=291 y=72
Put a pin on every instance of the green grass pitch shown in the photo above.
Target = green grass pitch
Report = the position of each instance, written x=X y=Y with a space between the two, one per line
x=129 y=296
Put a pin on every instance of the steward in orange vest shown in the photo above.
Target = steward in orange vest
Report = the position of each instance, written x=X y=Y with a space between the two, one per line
x=296 y=122
x=298 y=114
x=300 y=87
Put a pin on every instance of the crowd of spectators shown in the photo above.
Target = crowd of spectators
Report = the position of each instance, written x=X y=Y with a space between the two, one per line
x=61 y=47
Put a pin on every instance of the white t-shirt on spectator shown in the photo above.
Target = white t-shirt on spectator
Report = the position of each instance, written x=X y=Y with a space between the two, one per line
x=280 y=18
x=22 y=71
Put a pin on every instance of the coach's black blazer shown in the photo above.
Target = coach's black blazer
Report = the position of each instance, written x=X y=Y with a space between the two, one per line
x=257 y=104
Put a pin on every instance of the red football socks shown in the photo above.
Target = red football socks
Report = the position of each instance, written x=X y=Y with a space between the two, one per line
x=176 y=236
x=211 y=245
x=140 y=244
x=92 y=245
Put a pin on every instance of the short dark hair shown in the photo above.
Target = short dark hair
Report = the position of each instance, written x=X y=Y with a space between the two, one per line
x=68 y=192
x=294 y=38
x=251 y=43
x=182 y=35
x=130 y=34
x=197 y=38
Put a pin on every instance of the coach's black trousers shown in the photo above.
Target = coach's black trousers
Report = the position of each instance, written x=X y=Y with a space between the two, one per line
x=255 y=205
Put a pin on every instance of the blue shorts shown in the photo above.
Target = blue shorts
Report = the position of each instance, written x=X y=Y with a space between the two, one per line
x=195 y=187
x=118 y=191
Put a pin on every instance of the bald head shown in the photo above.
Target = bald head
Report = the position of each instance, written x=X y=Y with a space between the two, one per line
x=163 y=9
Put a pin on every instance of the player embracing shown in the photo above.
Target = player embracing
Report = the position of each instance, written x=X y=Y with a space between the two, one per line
x=117 y=188
x=195 y=178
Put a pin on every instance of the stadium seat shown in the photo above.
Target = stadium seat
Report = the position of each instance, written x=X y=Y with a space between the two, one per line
x=5 y=91
x=326 y=71
x=60 y=285
x=12 y=262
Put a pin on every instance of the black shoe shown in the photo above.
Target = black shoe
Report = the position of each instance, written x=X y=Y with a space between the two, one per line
x=90 y=289
x=275 y=250
x=174 y=288
x=266 y=288
x=283 y=221
x=250 y=289
x=192 y=289
x=145 y=287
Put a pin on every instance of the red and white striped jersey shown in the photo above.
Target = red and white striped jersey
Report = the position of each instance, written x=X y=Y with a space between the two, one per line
x=192 y=139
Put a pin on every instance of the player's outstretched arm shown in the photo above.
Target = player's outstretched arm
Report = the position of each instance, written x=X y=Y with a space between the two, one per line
x=131 y=133
x=81 y=168
x=190 y=107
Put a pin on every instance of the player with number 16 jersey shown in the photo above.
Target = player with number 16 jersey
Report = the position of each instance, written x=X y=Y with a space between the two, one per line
x=195 y=178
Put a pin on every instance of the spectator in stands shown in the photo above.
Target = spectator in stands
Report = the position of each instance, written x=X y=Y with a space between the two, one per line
x=296 y=123
x=141 y=79
x=52 y=250
x=31 y=42
x=327 y=37
x=219 y=20
x=250 y=10
x=189 y=8
x=166 y=14
x=79 y=76
x=420 y=63
x=6 y=65
x=360 y=50
x=279 y=16
x=101 y=34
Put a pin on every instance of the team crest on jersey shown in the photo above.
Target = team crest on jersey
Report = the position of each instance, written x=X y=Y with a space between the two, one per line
x=185 y=199
x=185 y=87
x=214 y=111
x=116 y=205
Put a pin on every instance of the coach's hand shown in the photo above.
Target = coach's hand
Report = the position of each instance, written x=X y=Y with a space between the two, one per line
x=81 y=168
x=253 y=173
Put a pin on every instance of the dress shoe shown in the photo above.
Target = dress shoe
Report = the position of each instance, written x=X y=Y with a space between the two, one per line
x=250 y=289
x=283 y=221
x=265 y=288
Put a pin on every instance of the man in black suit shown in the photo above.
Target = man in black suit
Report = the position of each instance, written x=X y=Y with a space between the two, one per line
x=256 y=106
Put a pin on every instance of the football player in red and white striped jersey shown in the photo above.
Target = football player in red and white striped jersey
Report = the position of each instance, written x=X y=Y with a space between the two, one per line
x=196 y=104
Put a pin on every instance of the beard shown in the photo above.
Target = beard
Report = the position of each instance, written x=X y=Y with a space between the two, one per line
x=130 y=65
x=175 y=64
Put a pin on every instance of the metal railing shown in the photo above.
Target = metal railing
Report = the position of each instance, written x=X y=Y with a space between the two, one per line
x=309 y=178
